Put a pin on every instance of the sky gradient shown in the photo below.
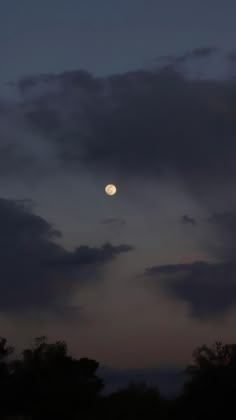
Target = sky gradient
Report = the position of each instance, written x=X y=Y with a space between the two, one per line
x=143 y=96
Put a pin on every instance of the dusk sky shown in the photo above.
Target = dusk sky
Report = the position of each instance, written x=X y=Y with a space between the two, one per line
x=142 y=94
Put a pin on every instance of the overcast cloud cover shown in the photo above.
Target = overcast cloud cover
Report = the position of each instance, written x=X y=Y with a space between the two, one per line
x=120 y=125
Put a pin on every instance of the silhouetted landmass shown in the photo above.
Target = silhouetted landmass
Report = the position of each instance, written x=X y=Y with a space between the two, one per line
x=47 y=383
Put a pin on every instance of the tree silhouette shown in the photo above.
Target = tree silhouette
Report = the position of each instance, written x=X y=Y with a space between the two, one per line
x=212 y=385
x=50 y=382
x=5 y=352
x=137 y=401
x=47 y=383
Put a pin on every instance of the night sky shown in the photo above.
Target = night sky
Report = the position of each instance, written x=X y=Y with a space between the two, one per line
x=142 y=94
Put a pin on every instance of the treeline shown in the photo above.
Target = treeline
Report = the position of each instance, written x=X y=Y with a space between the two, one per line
x=47 y=383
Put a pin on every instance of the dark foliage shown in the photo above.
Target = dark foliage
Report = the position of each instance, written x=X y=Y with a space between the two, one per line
x=211 y=389
x=135 y=402
x=47 y=383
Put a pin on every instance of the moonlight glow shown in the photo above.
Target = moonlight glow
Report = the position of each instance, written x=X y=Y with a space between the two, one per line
x=110 y=189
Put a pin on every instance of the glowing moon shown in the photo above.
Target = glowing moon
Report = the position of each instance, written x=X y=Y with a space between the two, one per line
x=110 y=189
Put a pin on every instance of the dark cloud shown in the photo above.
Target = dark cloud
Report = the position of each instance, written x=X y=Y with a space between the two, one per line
x=202 y=52
x=23 y=152
x=145 y=123
x=114 y=222
x=196 y=53
x=37 y=272
x=87 y=255
x=187 y=220
x=226 y=220
x=225 y=224
x=209 y=289
x=72 y=79
x=231 y=56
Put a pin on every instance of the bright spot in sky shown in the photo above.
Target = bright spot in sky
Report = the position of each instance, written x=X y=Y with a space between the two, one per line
x=110 y=189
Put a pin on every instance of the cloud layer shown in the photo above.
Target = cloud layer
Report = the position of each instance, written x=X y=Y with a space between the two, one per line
x=209 y=289
x=144 y=123
x=188 y=220
x=35 y=271
x=149 y=124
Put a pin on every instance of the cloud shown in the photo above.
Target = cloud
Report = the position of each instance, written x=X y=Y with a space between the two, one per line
x=87 y=255
x=111 y=222
x=150 y=124
x=187 y=220
x=226 y=220
x=224 y=223
x=196 y=53
x=231 y=56
x=23 y=151
x=38 y=273
x=202 y=52
x=143 y=123
x=209 y=289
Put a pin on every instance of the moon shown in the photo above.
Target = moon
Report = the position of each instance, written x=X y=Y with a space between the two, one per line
x=110 y=189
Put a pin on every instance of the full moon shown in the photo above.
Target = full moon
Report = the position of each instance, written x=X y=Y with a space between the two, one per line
x=110 y=189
